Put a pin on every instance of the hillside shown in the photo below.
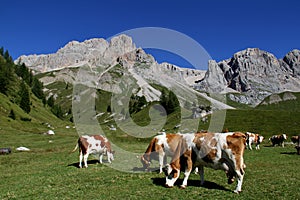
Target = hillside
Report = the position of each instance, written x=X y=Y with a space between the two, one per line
x=23 y=107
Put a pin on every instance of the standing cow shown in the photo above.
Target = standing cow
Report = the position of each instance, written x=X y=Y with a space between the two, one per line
x=252 y=138
x=222 y=151
x=93 y=144
x=278 y=139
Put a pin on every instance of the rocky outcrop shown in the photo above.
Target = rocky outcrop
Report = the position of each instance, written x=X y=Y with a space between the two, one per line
x=105 y=64
x=254 y=74
x=96 y=52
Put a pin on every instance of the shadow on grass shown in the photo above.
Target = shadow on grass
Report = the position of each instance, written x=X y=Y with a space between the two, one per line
x=89 y=162
x=191 y=183
x=288 y=153
x=142 y=169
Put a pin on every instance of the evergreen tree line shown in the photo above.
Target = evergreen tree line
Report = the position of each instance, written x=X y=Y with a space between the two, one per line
x=18 y=82
x=167 y=99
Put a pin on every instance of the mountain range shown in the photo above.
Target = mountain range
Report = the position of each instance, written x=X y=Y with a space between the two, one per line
x=248 y=77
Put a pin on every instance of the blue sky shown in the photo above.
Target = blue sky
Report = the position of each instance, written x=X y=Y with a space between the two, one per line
x=222 y=27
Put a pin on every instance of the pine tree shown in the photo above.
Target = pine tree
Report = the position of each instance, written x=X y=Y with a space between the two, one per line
x=37 y=88
x=169 y=101
x=50 y=101
x=25 y=98
x=173 y=103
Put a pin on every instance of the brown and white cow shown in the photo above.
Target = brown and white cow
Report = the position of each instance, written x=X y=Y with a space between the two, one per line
x=222 y=151
x=93 y=144
x=278 y=139
x=252 y=138
x=159 y=148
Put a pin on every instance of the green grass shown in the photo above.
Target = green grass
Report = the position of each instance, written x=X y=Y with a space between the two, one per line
x=49 y=171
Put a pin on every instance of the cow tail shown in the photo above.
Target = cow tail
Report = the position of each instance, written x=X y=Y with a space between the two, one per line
x=76 y=147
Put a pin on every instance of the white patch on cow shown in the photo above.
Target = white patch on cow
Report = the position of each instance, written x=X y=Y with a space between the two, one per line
x=284 y=136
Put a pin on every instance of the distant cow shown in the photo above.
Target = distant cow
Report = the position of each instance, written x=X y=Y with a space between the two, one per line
x=222 y=151
x=295 y=139
x=252 y=138
x=278 y=139
x=5 y=150
x=93 y=144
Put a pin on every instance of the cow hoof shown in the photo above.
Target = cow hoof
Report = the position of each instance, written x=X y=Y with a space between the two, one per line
x=182 y=186
x=237 y=192
x=168 y=186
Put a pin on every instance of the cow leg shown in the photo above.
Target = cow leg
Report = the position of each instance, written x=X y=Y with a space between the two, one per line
x=80 y=160
x=100 y=157
x=240 y=175
x=240 y=178
x=186 y=177
x=201 y=173
x=161 y=157
x=85 y=157
x=257 y=147
x=250 y=145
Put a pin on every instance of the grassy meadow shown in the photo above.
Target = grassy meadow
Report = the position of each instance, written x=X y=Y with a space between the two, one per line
x=49 y=170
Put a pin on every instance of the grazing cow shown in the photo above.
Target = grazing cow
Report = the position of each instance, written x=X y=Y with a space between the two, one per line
x=215 y=150
x=5 y=150
x=295 y=139
x=278 y=139
x=253 y=138
x=160 y=146
x=93 y=144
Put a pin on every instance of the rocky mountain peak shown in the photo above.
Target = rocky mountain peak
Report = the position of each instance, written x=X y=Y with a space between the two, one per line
x=292 y=59
x=254 y=74
x=96 y=52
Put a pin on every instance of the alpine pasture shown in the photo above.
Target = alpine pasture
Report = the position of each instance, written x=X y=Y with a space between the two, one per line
x=50 y=171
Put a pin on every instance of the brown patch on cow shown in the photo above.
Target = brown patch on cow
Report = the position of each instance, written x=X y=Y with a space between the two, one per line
x=180 y=148
x=100 y=138
x=83 y=145
x=237 y=143
x=172 y=140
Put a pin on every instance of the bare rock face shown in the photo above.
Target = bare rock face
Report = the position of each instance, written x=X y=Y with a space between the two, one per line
x=254 y=74
x=292 y=59
x=110 y=62
x=214 y=80
x=96 y=52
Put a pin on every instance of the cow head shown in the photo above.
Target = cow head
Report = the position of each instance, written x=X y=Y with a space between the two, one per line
x=146 y=162
x=172 y=174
